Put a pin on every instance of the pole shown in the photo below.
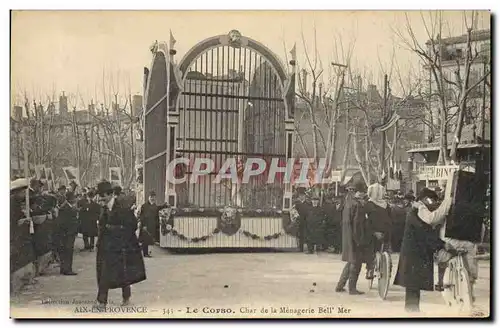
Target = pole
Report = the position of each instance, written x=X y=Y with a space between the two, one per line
x=483 y=109
x=384 y=108
x=26 y=175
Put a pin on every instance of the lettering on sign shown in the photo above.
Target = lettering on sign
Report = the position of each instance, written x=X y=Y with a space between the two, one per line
x=438 y=172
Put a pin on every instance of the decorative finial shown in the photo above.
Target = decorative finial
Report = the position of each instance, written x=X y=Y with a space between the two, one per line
x=154 y=47
x=293 y=52
x=172 y=42
x=234 y=38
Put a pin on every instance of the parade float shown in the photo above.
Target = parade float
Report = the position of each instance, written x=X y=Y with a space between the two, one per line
x=228 y=98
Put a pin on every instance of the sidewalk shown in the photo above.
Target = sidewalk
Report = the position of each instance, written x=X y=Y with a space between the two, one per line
x=228 y=280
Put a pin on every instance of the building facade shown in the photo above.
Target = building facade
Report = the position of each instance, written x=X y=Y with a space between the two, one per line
x=474 y=148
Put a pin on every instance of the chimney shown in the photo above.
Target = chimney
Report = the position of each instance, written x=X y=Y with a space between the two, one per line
x=63 y=104
x=136 y=105
x=91 y=108
x=372 y=92
x=304 y=80
x=51 y=109
x=18 y=113
x=320 y=94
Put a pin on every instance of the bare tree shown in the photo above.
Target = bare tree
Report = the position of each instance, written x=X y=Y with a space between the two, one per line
x=371 y=115
x=323 y=100
x=451 y=95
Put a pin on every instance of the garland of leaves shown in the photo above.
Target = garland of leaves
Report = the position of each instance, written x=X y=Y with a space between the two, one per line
x=167 y=228
x=174 y=232
x=256 y=237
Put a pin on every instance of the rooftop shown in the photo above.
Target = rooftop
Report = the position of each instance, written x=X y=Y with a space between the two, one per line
x=479 y=35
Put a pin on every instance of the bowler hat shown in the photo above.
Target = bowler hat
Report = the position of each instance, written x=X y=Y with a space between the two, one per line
x=427 y=193
x=117 y=190
x=409 y=197
x=104 y=187
x=360 y=187
x=61 y=188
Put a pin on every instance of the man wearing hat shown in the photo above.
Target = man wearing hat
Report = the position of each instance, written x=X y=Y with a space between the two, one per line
x=119 y=261
x=68 y=224
x=302 y=208
x=89 y=214
x=354 y=240
x=315 y=225
x=150 y=223
x=420 y=241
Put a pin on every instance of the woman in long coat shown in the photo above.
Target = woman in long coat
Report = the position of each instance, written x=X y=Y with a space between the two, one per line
x=420 y=241
x=119 y=257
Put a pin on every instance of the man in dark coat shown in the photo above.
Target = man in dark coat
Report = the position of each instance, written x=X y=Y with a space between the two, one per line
x=119 y=258
x=354 y=241
x=150 y=223
x=331 y=228
x=302 y=208
x=420 y=241
x=399 y=212
x=68 y=228
x=315 y=226
x=89 y=214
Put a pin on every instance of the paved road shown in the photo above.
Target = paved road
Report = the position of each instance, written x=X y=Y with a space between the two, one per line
x=255 y=282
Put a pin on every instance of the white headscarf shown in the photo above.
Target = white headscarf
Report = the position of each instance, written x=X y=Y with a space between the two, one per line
x=376 y=193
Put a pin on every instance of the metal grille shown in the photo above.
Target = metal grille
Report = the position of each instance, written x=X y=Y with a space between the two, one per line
x=231 y=106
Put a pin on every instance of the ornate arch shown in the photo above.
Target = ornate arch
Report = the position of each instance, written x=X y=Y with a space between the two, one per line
x=234 y=39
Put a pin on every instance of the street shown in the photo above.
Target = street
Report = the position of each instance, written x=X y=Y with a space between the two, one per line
x=243 y=285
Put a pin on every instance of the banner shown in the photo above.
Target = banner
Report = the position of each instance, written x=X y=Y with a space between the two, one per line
x=72 y=175
x=50 y=178
x=40 y=172
x=115 y=176
x=438 y=172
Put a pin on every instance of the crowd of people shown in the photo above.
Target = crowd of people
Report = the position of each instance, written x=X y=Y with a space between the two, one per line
x=355 y=223
x=367 y=219
x=108 y=220
x=320 y=225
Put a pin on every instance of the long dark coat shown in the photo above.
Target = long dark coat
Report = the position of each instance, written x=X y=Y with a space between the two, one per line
x=302 y=208
x=398 y=214
x=416 y=260
x=315 y=226
x=354 y=240
x=67 y=220
x=379 y=220
x=150 y=216
x=119 y=256
x=89 y=214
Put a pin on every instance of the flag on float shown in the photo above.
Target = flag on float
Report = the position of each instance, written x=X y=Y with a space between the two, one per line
x=172 y=40
x=50 y=178
x=293 y=52
x=40 y=172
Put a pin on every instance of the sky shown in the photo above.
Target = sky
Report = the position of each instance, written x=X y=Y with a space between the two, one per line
x=80 y=51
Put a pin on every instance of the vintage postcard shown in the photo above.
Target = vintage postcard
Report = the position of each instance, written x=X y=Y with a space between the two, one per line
x=250 y=164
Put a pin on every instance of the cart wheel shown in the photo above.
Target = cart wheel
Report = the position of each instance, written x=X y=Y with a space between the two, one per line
x=450 y=284
x=465 y=291
x=370 y=283
x=384 y=278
